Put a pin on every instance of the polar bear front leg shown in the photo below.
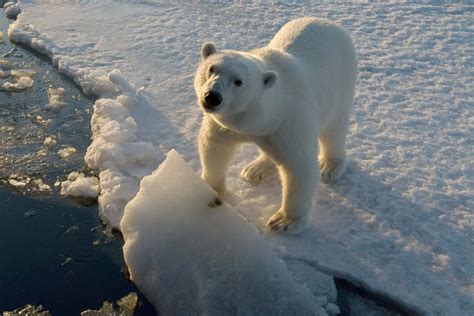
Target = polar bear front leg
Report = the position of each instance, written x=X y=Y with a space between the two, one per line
x=299 y=184
x=216 y=148
x=260 y=169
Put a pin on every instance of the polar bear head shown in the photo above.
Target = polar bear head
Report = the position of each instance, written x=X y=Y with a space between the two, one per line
x=229 y=83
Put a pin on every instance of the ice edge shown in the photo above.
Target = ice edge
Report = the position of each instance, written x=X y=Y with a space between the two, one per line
x=114 y=148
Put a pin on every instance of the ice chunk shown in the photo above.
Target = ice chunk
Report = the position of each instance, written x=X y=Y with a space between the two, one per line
x=30 y=213
x=190 y=258
x=56 y=99
x=333 y=309
x=30 y=310
x=43 y=152
x=16 y=183
x=78 y=185
x=26 y=82
x=18 y=73
x=11 y=10
x=66 y=152
x=21 y=84
x=128 y=304
x=49 y=141
x=25 y=182
x=124 y=307
x=40 y=185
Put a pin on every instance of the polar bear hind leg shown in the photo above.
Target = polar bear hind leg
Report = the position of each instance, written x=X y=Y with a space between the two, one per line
x=332 y=150
x=260 y=169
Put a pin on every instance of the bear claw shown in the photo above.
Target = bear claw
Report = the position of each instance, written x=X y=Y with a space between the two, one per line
x=331 y=170
x=279 y=222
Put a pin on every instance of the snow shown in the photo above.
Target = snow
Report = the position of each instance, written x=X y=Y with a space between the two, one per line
x=192 y=258
x=78 y=185
x=400 y=221
x=115 y=152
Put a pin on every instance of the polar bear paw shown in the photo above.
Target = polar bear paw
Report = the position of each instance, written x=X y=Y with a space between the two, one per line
x=331 y=169
x=279 y=222
x=258 y=170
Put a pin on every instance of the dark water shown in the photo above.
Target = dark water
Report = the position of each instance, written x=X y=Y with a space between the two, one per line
x=25 y=123
x=53 y=252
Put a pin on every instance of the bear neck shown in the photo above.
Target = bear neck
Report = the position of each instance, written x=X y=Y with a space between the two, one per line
x=261 y=117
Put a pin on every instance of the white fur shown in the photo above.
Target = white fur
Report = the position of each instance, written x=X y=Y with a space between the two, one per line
x=295 y=93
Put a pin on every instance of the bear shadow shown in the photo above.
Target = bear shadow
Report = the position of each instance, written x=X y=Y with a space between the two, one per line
x=155 y=127
x=378 y=228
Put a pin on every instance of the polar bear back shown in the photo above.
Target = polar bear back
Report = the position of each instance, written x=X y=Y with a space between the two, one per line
x=325 y=53
x=303 y=33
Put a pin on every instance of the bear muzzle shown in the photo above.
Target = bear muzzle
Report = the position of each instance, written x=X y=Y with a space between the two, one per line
x=212 y=100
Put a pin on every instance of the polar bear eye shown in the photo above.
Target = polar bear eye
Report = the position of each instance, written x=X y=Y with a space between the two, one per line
x=238 y=83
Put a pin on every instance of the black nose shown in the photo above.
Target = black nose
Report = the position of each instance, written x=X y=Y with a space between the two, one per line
x=212 y=99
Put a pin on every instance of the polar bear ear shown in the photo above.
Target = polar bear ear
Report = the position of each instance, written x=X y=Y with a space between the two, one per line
x=208 y=49
x=269 y=79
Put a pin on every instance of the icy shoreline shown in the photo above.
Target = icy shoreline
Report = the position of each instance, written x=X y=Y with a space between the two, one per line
x=119 y=159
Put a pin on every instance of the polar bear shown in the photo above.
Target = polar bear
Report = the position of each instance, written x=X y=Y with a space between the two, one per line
x=293 y=99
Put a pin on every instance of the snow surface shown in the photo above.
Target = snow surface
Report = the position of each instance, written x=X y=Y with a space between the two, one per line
x=190 y=258
x=400 y=222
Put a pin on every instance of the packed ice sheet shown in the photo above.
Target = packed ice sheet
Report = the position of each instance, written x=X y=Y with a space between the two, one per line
x=190 y=256
x=400 y=222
